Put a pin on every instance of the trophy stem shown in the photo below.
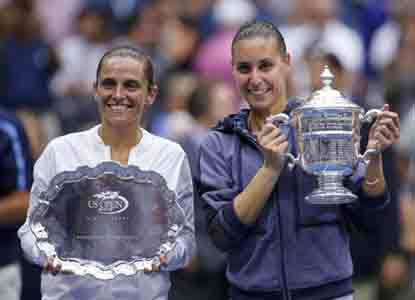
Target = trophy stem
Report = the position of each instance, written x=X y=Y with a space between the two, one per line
x=330 y=191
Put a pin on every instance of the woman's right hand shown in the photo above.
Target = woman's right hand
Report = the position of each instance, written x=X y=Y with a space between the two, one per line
x=52 y=266
x=274 y=144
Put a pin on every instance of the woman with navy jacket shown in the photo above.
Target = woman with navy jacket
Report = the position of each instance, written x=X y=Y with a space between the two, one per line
x=278 y=245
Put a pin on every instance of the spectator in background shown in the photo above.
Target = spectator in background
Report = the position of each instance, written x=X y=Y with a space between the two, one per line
x=209 y=103
x=386 y=39
x=58 y=18
x=316 y=57
x=27 y=63
x=172 y=120
x=204 y=278
x=179 y=43
x=318 y=22
x=393 y=54
x=212 y=60
x=397 y=273
x=79 y=54
x=163 y=30
x=399 y=75
x=199 y=12
x=15 y=181
x=145 y=31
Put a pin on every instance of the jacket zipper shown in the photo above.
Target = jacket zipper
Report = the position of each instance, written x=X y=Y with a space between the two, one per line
x=286 y=295
x=285 y=291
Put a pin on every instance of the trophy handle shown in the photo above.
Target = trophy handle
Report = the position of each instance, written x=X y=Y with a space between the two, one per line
x=284 y=119
x=368 y=117
x=364 y=158
x=278 y=119
x=292 y=161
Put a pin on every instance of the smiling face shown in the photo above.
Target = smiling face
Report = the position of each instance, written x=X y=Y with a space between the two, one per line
x=123 y=92
x=260 y=72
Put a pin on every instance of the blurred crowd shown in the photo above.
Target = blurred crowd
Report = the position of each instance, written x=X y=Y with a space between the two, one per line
x=49 y=51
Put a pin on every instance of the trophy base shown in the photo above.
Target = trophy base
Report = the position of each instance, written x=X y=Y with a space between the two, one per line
x=331 y=191
x=323 y=197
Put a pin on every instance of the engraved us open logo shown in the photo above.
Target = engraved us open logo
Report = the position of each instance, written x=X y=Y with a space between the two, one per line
x=108 y=203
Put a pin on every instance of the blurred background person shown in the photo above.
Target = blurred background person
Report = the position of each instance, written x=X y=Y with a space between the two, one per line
x=204 y=278
x=212 y=60
x=79 y=53
x=15 y=181
x=28 y=63
x=397 y=274
x=172 y=118
x=319 y=22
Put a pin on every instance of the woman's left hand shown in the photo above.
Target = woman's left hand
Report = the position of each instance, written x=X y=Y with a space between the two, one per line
x=155 y=266
x=385 y=131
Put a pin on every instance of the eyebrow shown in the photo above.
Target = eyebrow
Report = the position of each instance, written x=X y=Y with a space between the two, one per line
x=125 y=80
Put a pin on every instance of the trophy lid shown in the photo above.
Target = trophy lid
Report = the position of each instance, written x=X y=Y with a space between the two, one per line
x=328 y=97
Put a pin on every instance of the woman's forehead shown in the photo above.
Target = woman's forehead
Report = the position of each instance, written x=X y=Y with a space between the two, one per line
x=115 y=61
x=255 y=47
x=123 y=64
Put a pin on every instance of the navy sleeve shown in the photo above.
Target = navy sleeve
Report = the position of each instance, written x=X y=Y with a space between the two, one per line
x=15 y=156
x=217 y=190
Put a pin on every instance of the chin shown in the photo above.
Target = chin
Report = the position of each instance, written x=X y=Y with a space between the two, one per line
x=120 y=123
x=262 y=105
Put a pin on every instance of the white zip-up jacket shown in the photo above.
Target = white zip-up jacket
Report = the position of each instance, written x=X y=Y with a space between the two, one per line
x=86 y=148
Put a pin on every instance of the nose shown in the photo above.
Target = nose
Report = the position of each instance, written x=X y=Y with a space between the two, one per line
x=255 y=76
x=118 y=92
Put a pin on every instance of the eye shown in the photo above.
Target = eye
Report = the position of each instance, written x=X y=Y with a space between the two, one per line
x=244 y=68
x=132 y=85
x=266 y=65
x=108 y=83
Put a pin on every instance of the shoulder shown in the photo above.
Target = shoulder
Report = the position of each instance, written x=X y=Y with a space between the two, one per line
x=219 y=143
x=9 y=121
x=75 y=139
x=161 y=142
x=157 y=144
x=11 y=129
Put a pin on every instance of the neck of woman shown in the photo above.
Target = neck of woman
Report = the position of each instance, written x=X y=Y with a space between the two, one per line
x=124 y=138
x=257 y=119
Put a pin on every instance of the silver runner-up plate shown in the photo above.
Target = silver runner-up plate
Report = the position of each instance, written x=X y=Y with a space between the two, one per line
x=107 y=220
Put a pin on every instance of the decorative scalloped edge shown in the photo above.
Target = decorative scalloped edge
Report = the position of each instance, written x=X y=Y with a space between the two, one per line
x=89 y=267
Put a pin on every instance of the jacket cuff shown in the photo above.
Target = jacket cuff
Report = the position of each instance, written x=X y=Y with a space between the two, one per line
x=373 y=202
x=232 y=224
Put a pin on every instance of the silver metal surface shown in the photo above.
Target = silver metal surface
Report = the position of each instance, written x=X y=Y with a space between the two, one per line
x=107 y=220
x=328 y=140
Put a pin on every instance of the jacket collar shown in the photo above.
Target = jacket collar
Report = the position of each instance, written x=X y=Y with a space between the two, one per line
x=238 y=123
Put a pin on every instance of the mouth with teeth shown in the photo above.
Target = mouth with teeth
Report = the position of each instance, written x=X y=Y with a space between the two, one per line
x=259 y=92
x=119 y=107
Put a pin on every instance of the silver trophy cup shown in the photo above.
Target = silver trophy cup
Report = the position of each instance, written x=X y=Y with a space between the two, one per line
x=328 y=137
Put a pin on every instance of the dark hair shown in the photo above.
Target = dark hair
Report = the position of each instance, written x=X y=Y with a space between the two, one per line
x=260 y=28
x=135 y=53
x=199 y=101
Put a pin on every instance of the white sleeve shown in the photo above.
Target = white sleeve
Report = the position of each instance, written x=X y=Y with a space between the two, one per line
x=185 y=247
x=43 y=170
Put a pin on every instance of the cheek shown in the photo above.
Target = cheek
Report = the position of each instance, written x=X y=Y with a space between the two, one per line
x=278 y=79
x=239 y=79
x=242 y=85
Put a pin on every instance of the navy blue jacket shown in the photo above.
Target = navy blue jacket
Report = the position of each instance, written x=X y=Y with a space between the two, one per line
x=295 y=250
